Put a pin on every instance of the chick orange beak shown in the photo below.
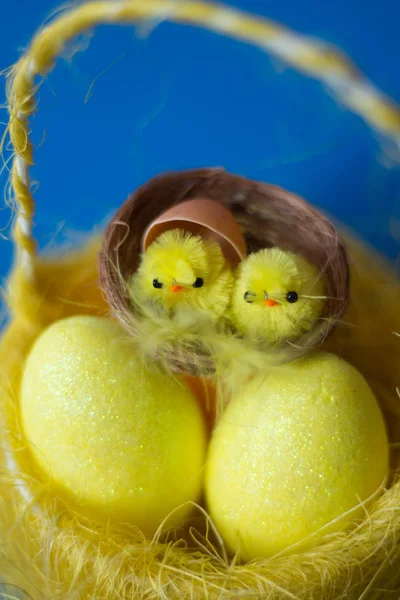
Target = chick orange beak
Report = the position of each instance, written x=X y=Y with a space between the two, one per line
x=270 y=302
x=176 y=288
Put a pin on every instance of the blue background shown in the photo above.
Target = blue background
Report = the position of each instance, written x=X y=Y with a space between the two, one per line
x=175 y=97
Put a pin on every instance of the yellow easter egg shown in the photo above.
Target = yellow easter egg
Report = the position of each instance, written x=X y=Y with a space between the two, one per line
x=294 y=451
x=120 y=441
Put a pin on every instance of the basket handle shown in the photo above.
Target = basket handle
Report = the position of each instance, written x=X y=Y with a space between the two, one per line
x=312 y=57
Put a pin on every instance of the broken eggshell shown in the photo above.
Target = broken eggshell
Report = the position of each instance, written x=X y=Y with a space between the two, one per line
x=204 y=217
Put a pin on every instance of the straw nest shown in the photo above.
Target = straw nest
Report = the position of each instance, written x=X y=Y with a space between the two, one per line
x=268 y=216
x=54 y=553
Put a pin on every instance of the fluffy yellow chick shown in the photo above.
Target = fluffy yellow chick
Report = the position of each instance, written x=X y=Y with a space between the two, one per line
x=183 y=276
x=278 y=296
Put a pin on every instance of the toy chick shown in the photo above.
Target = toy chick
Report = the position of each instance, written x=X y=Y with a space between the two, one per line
x=184 y=277
x=278 y=296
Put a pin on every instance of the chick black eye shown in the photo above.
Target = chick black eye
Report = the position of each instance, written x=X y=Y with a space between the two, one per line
x=157 y=284
x=199 y=282
x=249 y=297
x=292 y=297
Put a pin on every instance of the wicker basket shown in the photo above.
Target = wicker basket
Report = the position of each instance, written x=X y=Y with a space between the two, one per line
x=50 y=550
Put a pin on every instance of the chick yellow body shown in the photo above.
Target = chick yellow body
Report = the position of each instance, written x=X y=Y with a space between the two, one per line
x=117 y=440
x=183 y=276
x=278 y=296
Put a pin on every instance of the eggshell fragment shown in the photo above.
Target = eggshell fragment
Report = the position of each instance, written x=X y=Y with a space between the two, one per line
x=204 y=217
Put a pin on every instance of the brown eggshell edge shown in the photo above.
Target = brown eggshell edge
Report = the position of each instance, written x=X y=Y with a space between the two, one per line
x=204 y=217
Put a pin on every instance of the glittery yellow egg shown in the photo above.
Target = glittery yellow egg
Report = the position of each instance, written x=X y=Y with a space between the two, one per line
x=293 y=452
x=119 y=441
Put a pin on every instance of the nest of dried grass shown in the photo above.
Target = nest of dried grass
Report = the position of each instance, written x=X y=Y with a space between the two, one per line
x=268 y=216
